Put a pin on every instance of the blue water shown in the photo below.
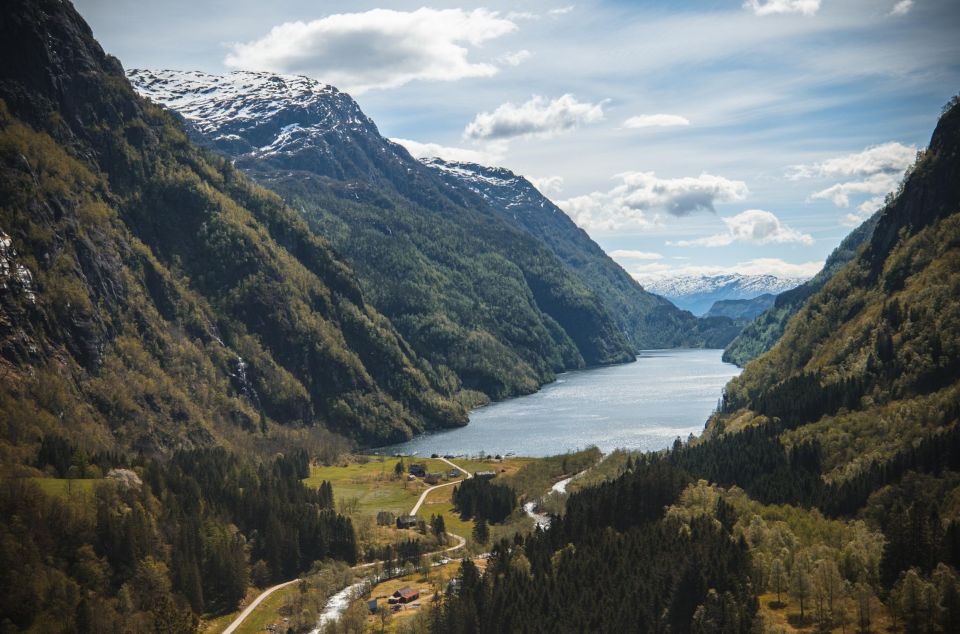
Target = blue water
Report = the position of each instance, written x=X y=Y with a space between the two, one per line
x=642 y=405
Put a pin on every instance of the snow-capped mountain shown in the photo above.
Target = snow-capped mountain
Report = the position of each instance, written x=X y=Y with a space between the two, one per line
x=697 y=293
x=285 y=121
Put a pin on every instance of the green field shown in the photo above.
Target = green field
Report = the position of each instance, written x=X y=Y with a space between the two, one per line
x=373 y=485
x=66 y=487
x=268 y=612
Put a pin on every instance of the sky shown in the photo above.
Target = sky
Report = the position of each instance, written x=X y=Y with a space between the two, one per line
x=686 y=138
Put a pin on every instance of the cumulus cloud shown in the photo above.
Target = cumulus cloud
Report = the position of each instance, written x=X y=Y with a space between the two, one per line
x=630 y=254
x=840 y=193
x=548 y=185
x=539 y=117
x=381 y=48
x=490 y=156
x=655 y=121
x=887 y=158
x=779 y=7
x=873 y=172
x=753 y=226
x=902 y=8
x=641 y=196
x=646 y=273
x=514 y=58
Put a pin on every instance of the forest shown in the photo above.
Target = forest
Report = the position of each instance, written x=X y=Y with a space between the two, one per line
x=155 y=543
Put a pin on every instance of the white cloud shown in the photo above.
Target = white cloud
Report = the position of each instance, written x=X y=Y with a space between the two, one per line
x=548 y=185
x=778 y=7
x=753 y=226
x=864 y=211
x=514 y=58
x=537 y=117
x=877 y=170
x=380 y=48
x=760 y=266
x=902 y=8
x=641 y=196
x=887 y=158
x=630 y=254
x=655 y=121
x=492 y=155
x=840 y=193
x=561 y=10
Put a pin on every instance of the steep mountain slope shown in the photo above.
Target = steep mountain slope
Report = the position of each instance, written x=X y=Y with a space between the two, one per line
x=870 y=364
x=648 y=320
x=475 y=296
x=698 y=293
x=741 y=309
x=153 y=297
x=766 y=329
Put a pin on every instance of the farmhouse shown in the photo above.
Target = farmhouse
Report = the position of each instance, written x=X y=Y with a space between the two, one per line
x=484 y=475
x=418 y=470
x=407 y=521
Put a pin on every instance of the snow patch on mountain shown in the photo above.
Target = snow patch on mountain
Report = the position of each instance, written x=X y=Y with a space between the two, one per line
x=497 y=185
x=255 y=113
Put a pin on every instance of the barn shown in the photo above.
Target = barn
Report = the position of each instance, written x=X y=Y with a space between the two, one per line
x=405 y=595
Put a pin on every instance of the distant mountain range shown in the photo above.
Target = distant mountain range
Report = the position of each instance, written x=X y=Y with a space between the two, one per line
x=697 y=293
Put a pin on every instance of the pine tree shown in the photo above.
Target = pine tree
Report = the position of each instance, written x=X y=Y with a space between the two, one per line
x=481 y=533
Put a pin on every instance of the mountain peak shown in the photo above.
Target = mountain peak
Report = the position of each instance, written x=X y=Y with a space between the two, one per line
x=249 y=114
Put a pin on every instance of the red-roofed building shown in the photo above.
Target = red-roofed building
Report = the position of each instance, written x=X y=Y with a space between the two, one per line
x=405 y=595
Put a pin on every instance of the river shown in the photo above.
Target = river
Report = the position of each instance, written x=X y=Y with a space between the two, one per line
x=642 y=405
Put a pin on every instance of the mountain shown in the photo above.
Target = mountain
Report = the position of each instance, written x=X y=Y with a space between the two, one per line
x=500 y=306
x=649 y=321
x=697 y=293
x=868 y=369
x=765 y=330
x=153 y=297
x=741 y=309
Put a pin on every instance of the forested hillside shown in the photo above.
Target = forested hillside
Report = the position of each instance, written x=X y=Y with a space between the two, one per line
x=649 y=321
x=765 y=330
x=173 y=341
x=154 y=297
x=829 y=479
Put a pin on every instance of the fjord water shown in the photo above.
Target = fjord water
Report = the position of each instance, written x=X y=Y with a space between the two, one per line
x=642 y=405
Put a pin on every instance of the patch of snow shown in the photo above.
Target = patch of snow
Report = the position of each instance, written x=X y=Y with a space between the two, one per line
x=13 y=274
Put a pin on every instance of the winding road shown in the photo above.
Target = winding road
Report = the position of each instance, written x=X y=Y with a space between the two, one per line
x=461 y=542
x=423 y=496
